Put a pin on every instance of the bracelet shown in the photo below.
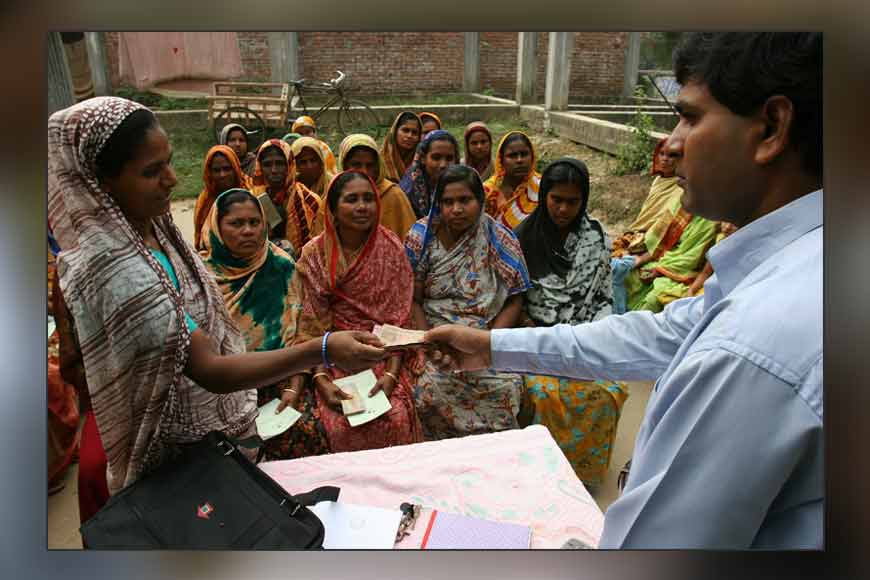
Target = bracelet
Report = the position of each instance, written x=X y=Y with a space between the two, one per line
x=392 y=376
x=289 y=390
x=326 y=362
x=321 y=374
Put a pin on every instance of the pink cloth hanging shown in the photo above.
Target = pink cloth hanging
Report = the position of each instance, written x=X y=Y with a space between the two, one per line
x=148 y=58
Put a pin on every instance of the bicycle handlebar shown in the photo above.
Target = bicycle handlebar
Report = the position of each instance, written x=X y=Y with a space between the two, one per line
x=338 y=80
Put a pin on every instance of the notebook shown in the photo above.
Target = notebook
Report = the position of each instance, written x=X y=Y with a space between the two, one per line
x=447 y=531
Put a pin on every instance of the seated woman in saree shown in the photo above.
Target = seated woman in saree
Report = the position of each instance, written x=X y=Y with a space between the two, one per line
x=355 y=275
x=512 y=190
x=569 y=263
x=235 y=137
x=676 y=248
x=295 y=204
x=467 y=270
x=220 y=172
x=164 y=362
x=437 y=151
x=311 y=168
x=478 y=149
x=400 y=144
x=430 y=121
x=630 y=250
x=263 y=294
x=663 y=191
x=360 y=153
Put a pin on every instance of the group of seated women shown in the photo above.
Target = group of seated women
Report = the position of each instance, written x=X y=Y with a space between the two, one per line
x=299 y=243
x=407 y=234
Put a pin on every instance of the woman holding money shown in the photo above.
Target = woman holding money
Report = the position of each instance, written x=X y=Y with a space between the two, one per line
x=355 y=275
x=468 y=270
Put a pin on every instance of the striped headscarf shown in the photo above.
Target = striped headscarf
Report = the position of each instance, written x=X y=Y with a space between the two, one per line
x=129 y=317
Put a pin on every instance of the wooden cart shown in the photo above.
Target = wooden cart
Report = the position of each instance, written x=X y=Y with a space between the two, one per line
x=254 y=105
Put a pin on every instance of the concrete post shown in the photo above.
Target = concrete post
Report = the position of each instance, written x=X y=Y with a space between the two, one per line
x=284 y=56
x=561 y=45
x=471 y=78
x=95 y=42
x=632 y=64
x=527 y=65
x=60 y=90
x=294 y=71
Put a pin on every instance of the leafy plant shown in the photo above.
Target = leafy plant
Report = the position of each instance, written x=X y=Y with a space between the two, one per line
x=635 y=154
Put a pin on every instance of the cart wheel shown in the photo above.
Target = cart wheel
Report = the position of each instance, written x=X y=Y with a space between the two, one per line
x=355 y=116
x=250 y=120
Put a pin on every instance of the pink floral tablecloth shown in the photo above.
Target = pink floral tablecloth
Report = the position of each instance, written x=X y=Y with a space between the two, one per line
x=518 y=476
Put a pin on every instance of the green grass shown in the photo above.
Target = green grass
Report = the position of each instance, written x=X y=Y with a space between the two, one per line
x=160 y=102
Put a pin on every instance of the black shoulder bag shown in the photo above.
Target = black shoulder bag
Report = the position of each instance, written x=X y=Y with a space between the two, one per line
x=209 y=497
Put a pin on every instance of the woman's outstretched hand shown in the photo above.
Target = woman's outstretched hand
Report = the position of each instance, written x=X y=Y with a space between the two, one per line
x=457 y=347
x=354 y=350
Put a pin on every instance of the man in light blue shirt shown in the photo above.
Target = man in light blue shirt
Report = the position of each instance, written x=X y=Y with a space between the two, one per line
x=730 y=451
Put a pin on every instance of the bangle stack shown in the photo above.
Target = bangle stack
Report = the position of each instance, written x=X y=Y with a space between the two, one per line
x=320 y=374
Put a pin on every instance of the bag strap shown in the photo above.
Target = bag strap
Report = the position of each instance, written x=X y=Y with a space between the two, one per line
x=324 y=493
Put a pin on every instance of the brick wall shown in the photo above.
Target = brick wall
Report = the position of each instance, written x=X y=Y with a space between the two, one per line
x=428 y=62
x=386 y=62
x=254 y=52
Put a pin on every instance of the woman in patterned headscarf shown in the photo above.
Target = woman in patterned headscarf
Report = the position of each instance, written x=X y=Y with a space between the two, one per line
x=478 y=149
x=235 y=137
x=569 y=265
x=360 y=152
x=468 y=270
x=305 y=126
x=311 y=166
x=400 y=143
x=163 y=361
x=263 y=294
x=435 y=153
x=512 y=191
x=220 y=172
x=355 y=275
x=296 y=204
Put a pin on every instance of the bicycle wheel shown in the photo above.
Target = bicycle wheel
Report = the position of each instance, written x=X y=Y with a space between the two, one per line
x=355 y=116
x=250 y=120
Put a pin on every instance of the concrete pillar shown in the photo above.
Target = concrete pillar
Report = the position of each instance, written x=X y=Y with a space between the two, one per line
x=561 y=45
x=471 y=78
x=60 y=91
x=527 y=66
x=632 y=64
x=283 y=55
x=96 y=45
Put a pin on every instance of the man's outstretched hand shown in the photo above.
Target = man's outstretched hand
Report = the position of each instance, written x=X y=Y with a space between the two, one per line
x=457 y=347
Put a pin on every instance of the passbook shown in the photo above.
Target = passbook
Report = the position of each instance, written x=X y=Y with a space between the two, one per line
x=269 y=209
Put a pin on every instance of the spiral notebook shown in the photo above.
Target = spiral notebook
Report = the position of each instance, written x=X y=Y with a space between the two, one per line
x=447 y=531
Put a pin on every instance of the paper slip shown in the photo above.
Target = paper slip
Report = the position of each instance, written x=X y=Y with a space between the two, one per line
x=374 y=406
x=357 y=527
x=269 y=424
x=395 y=337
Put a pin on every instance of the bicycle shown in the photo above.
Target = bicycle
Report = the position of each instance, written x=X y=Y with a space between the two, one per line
x=353 y=115
x=230 y=105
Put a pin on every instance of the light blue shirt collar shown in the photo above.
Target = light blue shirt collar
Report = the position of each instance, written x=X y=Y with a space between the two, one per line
x=740 y=253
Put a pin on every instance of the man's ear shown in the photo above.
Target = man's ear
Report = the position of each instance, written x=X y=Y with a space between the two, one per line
x=777 y=116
